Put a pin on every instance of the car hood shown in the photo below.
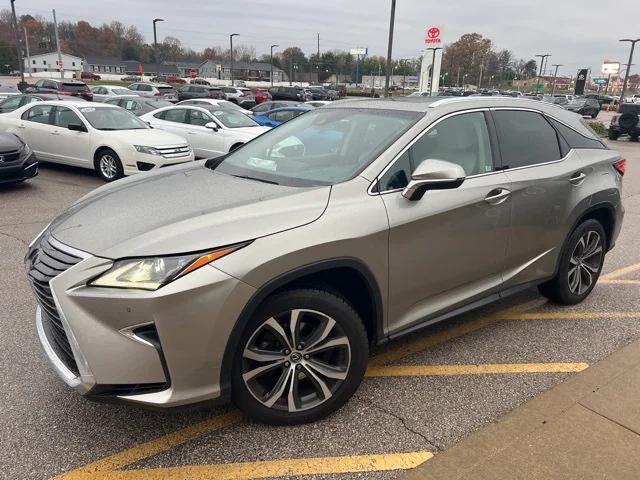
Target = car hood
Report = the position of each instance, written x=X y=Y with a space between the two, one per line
x=149 y=137
x=180 y=209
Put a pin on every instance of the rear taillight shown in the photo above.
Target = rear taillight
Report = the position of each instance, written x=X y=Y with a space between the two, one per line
x=157 y=94
x=620 y=166
x=614 y=119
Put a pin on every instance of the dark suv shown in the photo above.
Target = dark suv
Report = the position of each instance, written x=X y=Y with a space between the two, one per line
x=189 y=92
x=295 y=94
x=587 y=107
x=73 y=88
x=625 y=122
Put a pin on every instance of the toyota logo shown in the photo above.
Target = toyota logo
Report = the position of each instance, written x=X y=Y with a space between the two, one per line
x=433 y=32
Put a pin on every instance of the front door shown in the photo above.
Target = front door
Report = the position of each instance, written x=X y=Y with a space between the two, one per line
x=206 y=142
x=70 y=146
x=448 y=248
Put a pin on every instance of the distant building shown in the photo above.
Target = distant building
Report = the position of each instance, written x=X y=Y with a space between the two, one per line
x=221 y=69
x=98 y=65
x=48 y=62
x=562 y=83
x=185 y=68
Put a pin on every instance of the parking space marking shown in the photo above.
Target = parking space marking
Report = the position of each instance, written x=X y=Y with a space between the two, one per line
x=570 y=315
x=618 y=282
x=483 y=369
x=621 y=272
x=277 y=468
x=148 y=449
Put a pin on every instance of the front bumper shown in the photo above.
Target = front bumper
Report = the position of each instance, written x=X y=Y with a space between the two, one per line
x=192 y=316
x=142 y=162
x=20 y=170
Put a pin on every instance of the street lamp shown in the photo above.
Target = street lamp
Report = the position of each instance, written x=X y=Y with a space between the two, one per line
x=272 y=47
x=389 y=47
x=555 y=74
x=433 y=65
x=15 y=31
x=542 y=59
x=155 y=36
x=464 y=85
x=231 y=51
x=626 y=75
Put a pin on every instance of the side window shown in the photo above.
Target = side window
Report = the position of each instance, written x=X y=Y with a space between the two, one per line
x=261 y=108
x=526 y=138
x=575 y=139
x=63 y=117
x=31 y=100
x=398 y=174
x=461 y=139
x=12 y=102
x=39 y=83
x=282 y=116
x=133 y=87
x=196 y=117
x=130 y=105
x=160 y=115
x=178 y=115
x=38 y=114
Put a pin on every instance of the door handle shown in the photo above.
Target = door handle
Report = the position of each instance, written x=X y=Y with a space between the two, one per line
x=55 y=132
x=22 y=126
x=497 y=196
x=577 y=178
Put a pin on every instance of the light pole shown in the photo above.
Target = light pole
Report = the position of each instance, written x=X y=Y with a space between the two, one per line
x=555 y=74
x=155 y=35
x=272 y=47
x=464 y=87
x=626 y=75
x=17 y=36
x=433 y=67
x=231 y=51
x=542 y=59
x=389 y=47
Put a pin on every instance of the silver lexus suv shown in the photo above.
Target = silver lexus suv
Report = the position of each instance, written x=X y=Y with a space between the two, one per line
x=265 y=276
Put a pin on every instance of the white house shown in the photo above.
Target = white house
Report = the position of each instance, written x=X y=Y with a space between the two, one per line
x=48 y=62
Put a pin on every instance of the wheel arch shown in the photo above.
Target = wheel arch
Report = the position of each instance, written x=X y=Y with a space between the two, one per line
x=318 y=275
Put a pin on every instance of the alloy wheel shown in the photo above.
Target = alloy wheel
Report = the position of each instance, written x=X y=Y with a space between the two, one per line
x=296 y=360
x=108 y=166
x=585 y=262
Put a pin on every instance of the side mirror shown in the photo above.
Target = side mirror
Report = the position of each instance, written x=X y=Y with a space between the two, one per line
x=433 y=175
x=212 y=125
x=77 y=127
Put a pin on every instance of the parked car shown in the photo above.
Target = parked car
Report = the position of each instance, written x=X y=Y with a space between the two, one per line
x=625 y=122
x=260 y=95
x=103 y=92
x=318 y=103
x=131 y=78
x=267 y=277
x=210 y=131
x=331 y=92
x=602 y=99
x=219 y=104
x=8 y=90
x=295 y=94
x=146 y=89
x=139 y=105
x=89 y=76
x=275 y=117
x=266 y=106
x=73 y=88
x=198 y=91
x=587 y=107
x=9 y=104
x=318 y=93
x=199 y=81
x=241 y=95
x=17 y=161
x=108 y=139
x=555 y=100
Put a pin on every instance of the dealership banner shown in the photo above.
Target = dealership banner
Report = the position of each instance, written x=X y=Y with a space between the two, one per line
x=580 y=81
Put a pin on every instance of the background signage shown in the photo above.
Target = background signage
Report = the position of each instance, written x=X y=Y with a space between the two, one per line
x=358 y=51
x=581 y=80
x=433 y=37
x=610 y=68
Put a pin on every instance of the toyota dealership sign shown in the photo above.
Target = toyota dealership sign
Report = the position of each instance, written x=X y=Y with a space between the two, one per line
x=434 y=36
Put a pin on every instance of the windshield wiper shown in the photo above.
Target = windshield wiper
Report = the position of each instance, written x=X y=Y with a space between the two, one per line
x=256 y=179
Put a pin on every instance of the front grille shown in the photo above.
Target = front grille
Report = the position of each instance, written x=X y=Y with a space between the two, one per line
x=6 y=157
x=46 y=262
x=174 y=151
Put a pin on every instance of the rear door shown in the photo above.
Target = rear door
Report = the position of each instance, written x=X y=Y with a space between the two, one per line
x=447 y=249
x=35 y=128
x=543 y=182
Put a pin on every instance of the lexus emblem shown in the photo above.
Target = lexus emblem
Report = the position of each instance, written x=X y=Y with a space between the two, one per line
x=1 y=158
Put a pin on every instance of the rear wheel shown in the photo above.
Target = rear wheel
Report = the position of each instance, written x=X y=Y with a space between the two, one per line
x=301 y=357
x=108 y=165
x=613 y=135
x=580 y=265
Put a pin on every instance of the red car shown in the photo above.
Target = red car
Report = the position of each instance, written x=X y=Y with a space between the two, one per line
x=261 y=95
x=73 y=88
x=89 y=76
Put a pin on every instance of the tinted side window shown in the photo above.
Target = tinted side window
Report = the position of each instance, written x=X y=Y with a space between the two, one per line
x=398 y=175
x=196 y=117
x=262 y=108
x=178 y=115
x=63 y=117
x=462 y=139
x=575 y=139
x=38 y=114
x=130 y=105
x=526 y=138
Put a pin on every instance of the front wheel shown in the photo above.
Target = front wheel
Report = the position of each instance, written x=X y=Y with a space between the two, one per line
x=301 y=357
x=580 y=265
x=108 y=165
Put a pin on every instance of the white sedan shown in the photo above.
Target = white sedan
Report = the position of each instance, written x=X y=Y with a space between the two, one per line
x=104 y=92
x=221 y=104
x=210 y=131
x=108 y=139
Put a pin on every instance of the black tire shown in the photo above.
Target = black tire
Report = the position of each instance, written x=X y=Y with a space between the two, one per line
x=347 y=325
x=613 y=135
x=594 y=114
x=633 y=138
x=559 y=288
x=108 y=165
x=628 y=120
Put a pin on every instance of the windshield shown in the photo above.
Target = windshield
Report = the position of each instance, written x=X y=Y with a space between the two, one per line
x=227 y=105
x=122 y=91
x=231 y=119
x=112 y=119
x=578 y=101
x=321 y=147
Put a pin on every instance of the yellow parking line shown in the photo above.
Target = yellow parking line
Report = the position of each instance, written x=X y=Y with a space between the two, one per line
x=621 y=271
x=153 y=447
x=618 y=282
x=570 y=315
x=277 y=468
x=451 y=370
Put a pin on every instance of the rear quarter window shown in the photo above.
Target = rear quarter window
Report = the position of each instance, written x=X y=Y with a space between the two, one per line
x=578 y=140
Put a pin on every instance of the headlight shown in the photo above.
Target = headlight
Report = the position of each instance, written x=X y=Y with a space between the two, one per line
x=25 y=151
x=153 y=273
x=148 y=150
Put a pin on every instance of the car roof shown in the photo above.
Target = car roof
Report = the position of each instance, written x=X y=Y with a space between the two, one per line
x=74 y=103
x=295 y=109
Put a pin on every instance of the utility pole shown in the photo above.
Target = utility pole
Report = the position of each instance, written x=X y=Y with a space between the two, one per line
x=17 y=37
x=55 y=27
x=542 y=59
x=555 y=74
x=458 y=77
x=155 y=43
x=626 y=75
x=480 y=76
x=272 y=47
x=389 y=47
x=318 y=48
x=26 y=44
x=231 y=51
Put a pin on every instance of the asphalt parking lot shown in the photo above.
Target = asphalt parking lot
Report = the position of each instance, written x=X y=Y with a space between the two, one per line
x=421 y=394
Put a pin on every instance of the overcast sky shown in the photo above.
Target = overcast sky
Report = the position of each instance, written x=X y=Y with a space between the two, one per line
x=577 y=33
